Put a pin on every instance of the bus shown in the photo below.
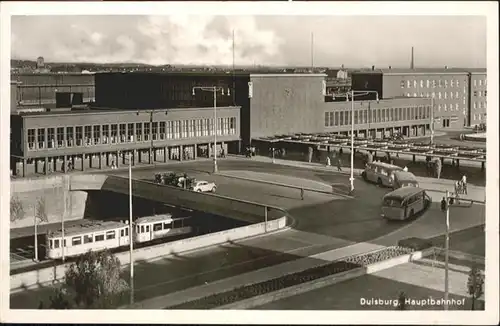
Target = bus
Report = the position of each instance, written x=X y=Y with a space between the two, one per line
x=380 y=173
x=404 y=203
x=404 y=179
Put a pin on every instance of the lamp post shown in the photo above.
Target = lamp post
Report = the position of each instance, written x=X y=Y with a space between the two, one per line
x=214 y=90
x=446 y=254
x=131 y=228
x=353 y=93
x=432 y=120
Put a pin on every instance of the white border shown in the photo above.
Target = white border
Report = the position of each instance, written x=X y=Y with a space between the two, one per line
x=269 y=8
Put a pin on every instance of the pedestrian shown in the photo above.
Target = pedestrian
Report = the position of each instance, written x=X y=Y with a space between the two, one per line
x=339 y=164
x=302 y=193
x=405 y=169
x=328 y=162
x=464 y=184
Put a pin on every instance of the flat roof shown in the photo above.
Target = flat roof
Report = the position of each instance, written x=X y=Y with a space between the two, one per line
x=403 y=192
x=289 y=75
x=87 y=227
x=155 y=218
x=421 y=71
x=105 y=111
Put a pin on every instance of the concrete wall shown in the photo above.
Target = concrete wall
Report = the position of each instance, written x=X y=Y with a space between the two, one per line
x=478 y=87
x=52 y=274
x=50 y=190
x=286 y=104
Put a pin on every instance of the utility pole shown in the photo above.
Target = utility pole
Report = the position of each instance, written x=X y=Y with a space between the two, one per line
x=446 y=249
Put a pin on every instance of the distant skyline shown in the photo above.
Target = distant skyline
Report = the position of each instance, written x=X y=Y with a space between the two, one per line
x=354 y=41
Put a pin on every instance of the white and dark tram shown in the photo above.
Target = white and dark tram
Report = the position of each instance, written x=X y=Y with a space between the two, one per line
x=101 y=235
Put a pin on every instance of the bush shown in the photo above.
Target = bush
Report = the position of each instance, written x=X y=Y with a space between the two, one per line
x=378 y=256
x=416 y=244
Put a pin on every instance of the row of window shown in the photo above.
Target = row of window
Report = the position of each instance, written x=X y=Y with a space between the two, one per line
x=76 y=136
x=438 y=83
x=479 y=105
x=443 y=95
x=341 y=118
x=480 y=93
x=478 y=116
x=448 y=107
x=88 y=238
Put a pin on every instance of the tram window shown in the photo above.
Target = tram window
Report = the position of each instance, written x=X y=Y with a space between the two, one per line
x=142 y=229
x=75 y=241
x=157 y=227
x=50 y=244
x=64 y=243
x=56 y=244
x=126 y=232
x=99 y=237
x=110 y=235
x=88 y=238
x=147 y=228
x=166 y=225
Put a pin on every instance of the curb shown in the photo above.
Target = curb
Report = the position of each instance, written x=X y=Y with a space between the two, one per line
x=326 y=281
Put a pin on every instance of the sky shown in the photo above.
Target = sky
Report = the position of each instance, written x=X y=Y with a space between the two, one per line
x=353 y=41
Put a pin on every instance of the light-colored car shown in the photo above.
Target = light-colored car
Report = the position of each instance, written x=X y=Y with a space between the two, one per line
x=204 y=186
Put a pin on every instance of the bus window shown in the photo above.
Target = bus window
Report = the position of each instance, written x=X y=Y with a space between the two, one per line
x=392 y=203
x=75 y=241
x=88 y=238
x=157 y=226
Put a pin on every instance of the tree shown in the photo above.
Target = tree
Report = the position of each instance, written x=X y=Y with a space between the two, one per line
x=475 y=284
x=16 y=209
x=437 y=168
x=41 y=210
x=92 y=282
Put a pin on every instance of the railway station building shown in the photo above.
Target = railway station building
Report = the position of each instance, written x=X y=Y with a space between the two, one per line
x=459 y=95
x=155 y=117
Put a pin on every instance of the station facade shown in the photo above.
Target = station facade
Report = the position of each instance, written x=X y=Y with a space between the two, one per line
x=155 y=117
x=459 y=95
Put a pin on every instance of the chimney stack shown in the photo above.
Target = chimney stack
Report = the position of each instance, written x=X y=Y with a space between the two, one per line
x=445 y=67
x=412 y=63
x=390 y=67
x=373 y=68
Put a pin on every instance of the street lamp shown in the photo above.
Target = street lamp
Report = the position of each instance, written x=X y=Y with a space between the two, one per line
x=214 y=90
x=131 y=229
x=432 y=120
x=353 y=93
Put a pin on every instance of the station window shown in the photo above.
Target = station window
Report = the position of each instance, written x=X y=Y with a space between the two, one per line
x=414 y=84
x=70 y=136
x=60 y=136
x=169 y=130
x=327 y=119
x=446 y=83
x=106 y=136
x=445 y=95
x=75 y=241
x=99 y=237
x=154 y=131
x=51 y=138
x=96 y=131
x=162 y=130
x=421 y=83
x=130 y=132
x=147 y=131
x=211 y=127
x=184 y=128
x=110 y=235
x=79 y=135
x=87 y=135
x=427 y=83
x=31 y=139
x=138 y=131
x=451 y=95
x=440 y=84
x=122 y=133
x=88 y=238
x=402 y=84
x=341 y=118
x=336 y=118
x=177 y=129
x=114 y=133
x=408 y=84
x=41 y=138
x=434 y=84
x=192 y=127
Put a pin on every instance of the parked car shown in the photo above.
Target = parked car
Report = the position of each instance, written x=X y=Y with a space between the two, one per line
x=204 y=186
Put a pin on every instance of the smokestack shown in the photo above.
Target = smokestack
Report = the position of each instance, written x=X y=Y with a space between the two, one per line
x=412 y=63
x=373 y=68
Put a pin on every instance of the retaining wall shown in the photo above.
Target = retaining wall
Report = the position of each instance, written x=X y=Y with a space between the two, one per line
x=49 y=275
x=50 y=191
